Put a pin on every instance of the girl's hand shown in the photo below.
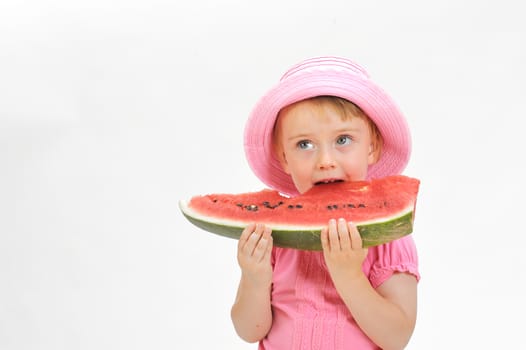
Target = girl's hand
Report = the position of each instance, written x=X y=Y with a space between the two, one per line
x=342 y=249
x=253 y=254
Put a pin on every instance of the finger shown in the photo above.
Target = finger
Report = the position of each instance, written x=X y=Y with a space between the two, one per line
x=356 y=239
x=268 y=253
x=260 y=249
x=267 y=232
x=343 y=234
x=334 y=240
x=248 y=244
x=262 y=245
x=245 y=234
x=254 y=239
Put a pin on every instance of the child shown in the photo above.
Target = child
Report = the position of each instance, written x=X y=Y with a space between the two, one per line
x=325 y=121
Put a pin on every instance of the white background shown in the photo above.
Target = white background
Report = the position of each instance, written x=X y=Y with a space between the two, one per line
x=113 y=111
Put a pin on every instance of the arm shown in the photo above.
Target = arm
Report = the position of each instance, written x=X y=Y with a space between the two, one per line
x=251 y=313
x=387 y=315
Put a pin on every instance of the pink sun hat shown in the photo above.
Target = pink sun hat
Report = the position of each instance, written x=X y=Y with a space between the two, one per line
x=325 y=76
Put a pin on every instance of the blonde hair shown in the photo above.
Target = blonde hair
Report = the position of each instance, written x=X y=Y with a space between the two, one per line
x=347 y=110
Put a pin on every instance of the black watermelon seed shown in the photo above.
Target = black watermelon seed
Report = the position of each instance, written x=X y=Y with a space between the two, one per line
x=299 y=206
x=361 y=205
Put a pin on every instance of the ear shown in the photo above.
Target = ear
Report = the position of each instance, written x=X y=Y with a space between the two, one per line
x=283 y=160
x=374 y=154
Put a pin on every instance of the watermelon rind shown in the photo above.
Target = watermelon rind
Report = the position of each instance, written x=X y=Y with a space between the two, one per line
x=307 y=238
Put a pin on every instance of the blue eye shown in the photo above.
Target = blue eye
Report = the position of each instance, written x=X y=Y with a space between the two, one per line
x=343 y=140
x=305 y=144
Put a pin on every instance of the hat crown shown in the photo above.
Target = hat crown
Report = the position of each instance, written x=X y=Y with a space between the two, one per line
x=325 y=64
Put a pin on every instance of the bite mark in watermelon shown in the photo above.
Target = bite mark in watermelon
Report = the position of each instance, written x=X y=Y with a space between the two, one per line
x=382 y=209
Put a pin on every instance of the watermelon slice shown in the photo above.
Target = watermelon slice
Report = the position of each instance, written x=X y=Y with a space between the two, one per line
x=382 y=209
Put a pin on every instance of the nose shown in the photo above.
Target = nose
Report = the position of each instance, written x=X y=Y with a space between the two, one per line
x=326 y=159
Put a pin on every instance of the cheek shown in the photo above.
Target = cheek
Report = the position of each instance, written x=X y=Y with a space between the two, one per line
x=356 y=166
x=298 y=169
x=301 y=173
x=304 y=165
x=295 y=159
x=302 y=184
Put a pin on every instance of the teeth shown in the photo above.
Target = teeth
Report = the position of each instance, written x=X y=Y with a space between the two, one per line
x=328 y=181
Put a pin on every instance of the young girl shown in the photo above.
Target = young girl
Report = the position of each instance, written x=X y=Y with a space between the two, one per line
x=325 y=121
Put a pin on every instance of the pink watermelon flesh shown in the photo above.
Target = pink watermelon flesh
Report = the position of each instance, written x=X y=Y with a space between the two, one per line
x=383 y=210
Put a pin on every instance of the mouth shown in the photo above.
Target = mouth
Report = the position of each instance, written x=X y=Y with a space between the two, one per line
x=327 y=181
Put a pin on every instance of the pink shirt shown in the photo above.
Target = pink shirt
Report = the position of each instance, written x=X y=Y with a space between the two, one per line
x=307 y=310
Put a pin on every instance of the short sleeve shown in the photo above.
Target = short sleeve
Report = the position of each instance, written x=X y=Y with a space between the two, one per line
x=397 y=256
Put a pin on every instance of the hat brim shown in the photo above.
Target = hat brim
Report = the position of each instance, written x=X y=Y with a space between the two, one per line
x=358 y=89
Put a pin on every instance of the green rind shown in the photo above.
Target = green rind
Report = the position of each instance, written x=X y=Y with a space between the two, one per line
x=372 y=234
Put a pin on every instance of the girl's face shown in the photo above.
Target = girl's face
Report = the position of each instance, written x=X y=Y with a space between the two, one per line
x=315 y=146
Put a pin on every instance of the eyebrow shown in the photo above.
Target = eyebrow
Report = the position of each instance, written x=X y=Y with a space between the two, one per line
x=299 y=136
x=344 y=130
